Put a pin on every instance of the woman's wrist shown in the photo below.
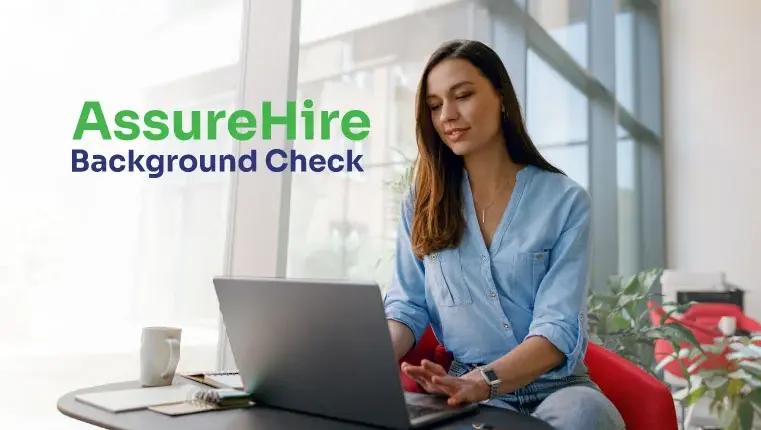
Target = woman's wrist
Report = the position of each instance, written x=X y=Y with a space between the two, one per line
x=482 y=388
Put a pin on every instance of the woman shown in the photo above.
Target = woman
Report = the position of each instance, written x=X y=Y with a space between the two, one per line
x=493 y=252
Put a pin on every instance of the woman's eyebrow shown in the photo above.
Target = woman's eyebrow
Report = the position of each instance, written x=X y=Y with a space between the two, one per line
x=452 y=88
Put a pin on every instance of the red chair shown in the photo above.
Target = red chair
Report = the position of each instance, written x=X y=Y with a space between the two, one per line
x=704 y=334
x=643 y=401
x=709 y=314
x=428 y=347
x=702 y=320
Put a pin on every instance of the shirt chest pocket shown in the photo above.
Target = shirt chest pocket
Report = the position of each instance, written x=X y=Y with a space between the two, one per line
x=444 y=278
x=530 y=268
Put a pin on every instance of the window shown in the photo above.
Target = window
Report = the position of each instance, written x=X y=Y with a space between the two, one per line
x=556 y=118
x=628 y=214
x=344 y=226
x=89 y=259
x=625 y=54
x=591 y=119
x=371 y=62
x=566 y=23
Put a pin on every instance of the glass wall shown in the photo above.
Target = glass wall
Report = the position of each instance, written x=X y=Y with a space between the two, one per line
x=89 y=259
x=566 y=21
x=373 y=62
x=344 y=226
x=628 y=215
x=557 y=116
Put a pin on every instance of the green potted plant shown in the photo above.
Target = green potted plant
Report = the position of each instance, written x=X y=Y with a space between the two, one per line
x=734 y=389
x=619 y=319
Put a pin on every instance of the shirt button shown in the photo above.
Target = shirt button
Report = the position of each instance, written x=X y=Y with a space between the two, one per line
x=493 y=294
x=506 y=326
x=433 y=256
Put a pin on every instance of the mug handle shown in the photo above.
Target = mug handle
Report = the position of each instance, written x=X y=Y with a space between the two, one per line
x=174 y=357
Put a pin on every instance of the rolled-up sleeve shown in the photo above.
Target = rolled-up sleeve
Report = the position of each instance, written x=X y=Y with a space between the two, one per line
x=560 y=302
x=405 y=298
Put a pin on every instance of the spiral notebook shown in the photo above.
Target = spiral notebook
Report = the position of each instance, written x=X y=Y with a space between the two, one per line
x=223 y=379
x=207 y=400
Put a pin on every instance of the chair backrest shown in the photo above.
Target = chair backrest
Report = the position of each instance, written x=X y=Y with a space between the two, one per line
x=704 y=332
x=425 y=348
x=644 y=402
x=709 y=314
x=716 y=310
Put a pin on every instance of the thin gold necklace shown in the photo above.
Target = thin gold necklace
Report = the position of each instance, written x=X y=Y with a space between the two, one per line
x=493 y=200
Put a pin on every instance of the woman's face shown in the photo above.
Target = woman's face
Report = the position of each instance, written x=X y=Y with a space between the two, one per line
x=465 y=108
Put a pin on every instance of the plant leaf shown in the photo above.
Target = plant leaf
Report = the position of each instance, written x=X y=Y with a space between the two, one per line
x=682 y=334
x=751 y=366
x=695 y=364
x=664 y=362
x=734 y=387
x=728 y=419
x=649 y=278
x=627 y=316
x=755 y=398
x=756 y=349
x=695 y=395
x=631 y=285
x=616 y=322
x=745 y=414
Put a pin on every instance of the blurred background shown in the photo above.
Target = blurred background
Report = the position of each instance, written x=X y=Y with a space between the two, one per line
x=648 y=104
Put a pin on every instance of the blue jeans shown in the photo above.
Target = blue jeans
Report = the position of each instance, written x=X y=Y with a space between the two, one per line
x=574 y=402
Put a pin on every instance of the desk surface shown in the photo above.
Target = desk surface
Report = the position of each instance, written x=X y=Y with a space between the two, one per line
x=260 y=417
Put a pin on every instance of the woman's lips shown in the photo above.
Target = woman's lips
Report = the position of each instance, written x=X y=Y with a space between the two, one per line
x=456 y=134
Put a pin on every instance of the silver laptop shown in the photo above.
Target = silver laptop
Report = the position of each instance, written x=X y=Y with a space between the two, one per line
x=321 y=347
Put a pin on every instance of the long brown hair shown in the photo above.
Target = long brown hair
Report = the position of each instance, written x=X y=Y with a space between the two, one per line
x=437 y=220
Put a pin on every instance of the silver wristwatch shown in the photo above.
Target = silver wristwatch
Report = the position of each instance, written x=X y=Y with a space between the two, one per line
x=491 y=378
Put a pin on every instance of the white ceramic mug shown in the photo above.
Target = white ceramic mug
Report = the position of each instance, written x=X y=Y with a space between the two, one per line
x=728 y=325
x=159 y=355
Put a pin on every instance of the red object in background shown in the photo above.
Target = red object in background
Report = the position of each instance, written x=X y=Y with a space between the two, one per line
x=704 y=334
x=709 y=314
x=644 y=402
x=702 y=320
x=427 y=347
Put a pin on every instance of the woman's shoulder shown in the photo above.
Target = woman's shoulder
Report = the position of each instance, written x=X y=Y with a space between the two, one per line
x=557 y=193
x=556 y=184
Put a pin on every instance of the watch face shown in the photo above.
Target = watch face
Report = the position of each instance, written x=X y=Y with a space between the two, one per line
x=491 y=374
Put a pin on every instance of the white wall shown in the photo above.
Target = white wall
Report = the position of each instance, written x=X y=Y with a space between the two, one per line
x=712 y=122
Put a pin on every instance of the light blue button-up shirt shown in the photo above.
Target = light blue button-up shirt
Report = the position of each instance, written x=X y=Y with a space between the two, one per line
x=531 y=281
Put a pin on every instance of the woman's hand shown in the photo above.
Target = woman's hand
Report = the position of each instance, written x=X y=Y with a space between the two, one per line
x=434 y=379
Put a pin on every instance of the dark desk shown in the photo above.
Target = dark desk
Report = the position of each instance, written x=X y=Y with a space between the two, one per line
x=260 y=417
